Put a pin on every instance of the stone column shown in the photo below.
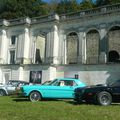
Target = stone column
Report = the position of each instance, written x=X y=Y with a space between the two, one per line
x=80 y=35
x=62 y=47
x=103 y=44
x=21 y=73
x=20 y=49
x=53 y=46
x=48 y=47
x=3 y=46
x=82 y=47
x=26 y=47
x=65 y=48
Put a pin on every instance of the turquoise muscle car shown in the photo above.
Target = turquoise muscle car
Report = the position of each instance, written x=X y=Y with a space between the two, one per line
x=58 y=88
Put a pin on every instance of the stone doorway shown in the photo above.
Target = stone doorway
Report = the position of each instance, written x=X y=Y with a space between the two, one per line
x=113 y=56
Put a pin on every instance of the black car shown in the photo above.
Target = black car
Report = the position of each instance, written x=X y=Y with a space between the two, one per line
x=99 y=94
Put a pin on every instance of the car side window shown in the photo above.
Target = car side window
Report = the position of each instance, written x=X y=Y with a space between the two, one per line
x=72 y=83
x=61 y=83
x=67 y=83
x=116 y=84
x=56 y=83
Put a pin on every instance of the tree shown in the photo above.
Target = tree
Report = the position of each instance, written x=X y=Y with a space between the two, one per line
x=103 y=2
x=53 y=6
x=67 y=6
x=21 y=8
x=115 y=1
x=86 y=4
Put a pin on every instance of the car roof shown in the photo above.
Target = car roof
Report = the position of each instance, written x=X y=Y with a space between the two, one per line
x=18 y=81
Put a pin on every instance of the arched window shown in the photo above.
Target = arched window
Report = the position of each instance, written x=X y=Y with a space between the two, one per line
x=92 y=47
x=114 y=44
x=72 y=48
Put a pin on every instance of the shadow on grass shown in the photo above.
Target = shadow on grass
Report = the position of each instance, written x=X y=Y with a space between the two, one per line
x=76 y=103
x=72 y=102
x=18 y=98
x=86 y=103
x=21 y=100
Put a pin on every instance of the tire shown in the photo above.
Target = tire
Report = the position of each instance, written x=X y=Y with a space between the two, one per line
x=35 y=96
x=2 y=93
x=104 y=98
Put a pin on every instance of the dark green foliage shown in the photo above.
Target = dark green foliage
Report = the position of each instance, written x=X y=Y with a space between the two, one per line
x=115 y=1
x=86 y=4
x=67 y=6
x=11 y=9
x=106 y=2
x=21 y=8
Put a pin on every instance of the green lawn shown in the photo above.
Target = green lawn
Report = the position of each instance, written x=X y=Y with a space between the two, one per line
x=21 y=109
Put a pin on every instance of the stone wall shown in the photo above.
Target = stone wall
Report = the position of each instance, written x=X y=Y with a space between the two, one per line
x=92 y=48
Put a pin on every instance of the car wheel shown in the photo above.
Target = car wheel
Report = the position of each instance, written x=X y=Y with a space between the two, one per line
x=2 y=93
x=35 y=96
x=104 y=98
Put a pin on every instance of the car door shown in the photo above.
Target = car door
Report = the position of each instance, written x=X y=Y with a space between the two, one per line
x=65 y=90
x=116 y=91
x=10 y=87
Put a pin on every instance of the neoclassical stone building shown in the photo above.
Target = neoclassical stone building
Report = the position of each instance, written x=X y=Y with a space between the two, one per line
x=85 y=44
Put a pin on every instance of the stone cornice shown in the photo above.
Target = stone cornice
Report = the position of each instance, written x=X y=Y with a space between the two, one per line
x=54 y=18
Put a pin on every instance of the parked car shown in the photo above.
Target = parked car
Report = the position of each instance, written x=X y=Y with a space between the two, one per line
x=9 y=87
x=99 y=94
x=58 y=88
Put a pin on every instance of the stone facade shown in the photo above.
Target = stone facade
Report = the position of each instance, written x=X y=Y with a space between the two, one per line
x=84 y=43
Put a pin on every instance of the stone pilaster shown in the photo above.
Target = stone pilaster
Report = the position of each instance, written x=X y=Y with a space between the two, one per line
x=23 y=44
x=80 y=54
x=55 y=45
x=103 y=44
x=82 y=47
x=3 y=46
x=62 y=47
x=52 y=46
x=48 y=47
x=26 y=59
x=23 y=55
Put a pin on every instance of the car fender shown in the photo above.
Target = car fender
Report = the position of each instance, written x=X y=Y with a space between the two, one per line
x=103 y=91
x=4 y=90
x=35 y=91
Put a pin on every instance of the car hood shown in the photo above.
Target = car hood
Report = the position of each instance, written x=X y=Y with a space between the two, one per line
x=91 y=86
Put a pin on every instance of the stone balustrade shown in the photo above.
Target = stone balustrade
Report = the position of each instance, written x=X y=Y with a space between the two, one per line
x=91 y=12
x=51 y=17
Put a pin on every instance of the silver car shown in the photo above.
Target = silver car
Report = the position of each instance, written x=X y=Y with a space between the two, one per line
x=10 y=86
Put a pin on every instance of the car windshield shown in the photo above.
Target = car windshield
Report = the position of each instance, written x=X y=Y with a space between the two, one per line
x=46 y=83
x=53 y=82
x=115 y=83
x=14 y=83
